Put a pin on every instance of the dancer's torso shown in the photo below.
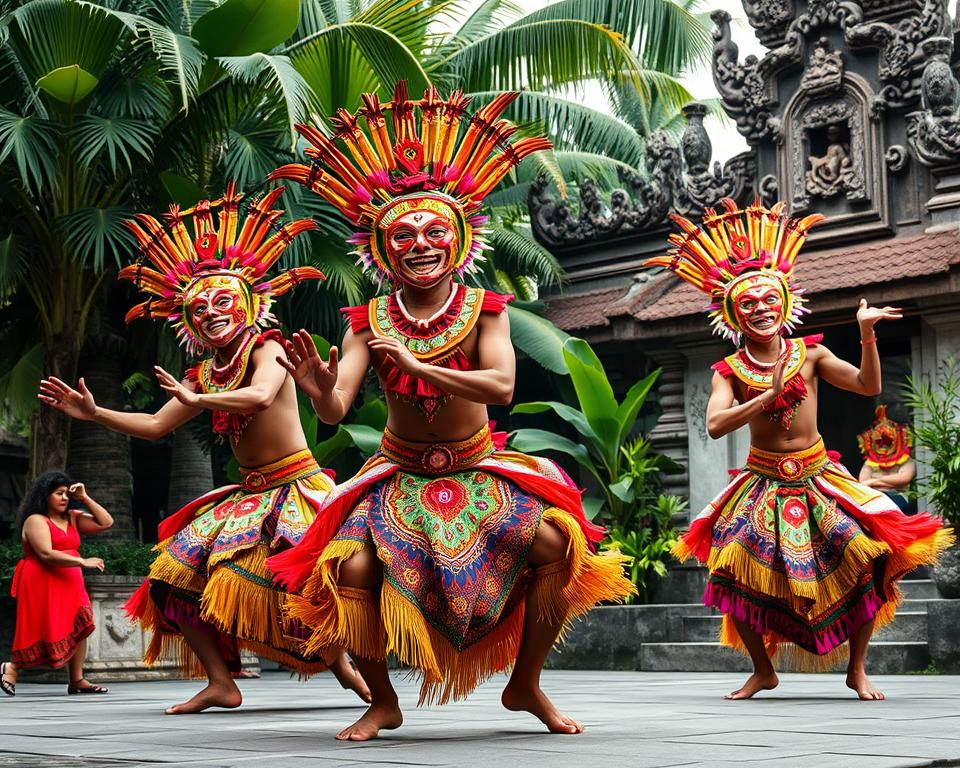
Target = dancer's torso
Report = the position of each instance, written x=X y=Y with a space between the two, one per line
x=274 y=432
x=457 y=419
x=767 y=435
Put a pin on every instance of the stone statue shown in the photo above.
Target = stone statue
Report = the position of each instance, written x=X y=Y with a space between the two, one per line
x=830 y=174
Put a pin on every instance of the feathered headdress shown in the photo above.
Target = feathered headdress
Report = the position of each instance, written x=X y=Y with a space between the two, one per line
x=220 y=247
x=730 y=247
x=420 y=163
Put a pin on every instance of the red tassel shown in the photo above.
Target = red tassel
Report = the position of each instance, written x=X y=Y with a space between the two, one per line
x=723 y=368
x=495 y=302
x=357 y=317
x=136 y=606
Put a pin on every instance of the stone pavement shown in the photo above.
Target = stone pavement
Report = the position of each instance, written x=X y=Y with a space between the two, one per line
x=634 y=719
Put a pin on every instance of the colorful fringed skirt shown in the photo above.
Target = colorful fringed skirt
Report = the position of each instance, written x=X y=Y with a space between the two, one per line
x=211 y=567
x=452 y=525
x=803 y=554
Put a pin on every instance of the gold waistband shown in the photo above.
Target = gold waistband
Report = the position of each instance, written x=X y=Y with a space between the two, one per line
x=296 y=466
x=789 y=467
x=435 y=458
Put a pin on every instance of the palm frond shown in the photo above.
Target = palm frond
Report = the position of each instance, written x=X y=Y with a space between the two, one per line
x=516 y=254
x=486 y=18
x=252 y=152
x=540 y=54
x=666 y=36
x=11 y=265
x=277 y=74
x=34 y=146
x=340 y=62
x=119 y=138
x=571 y=166
x=94 y=234
x=18 y=387
x=407 y=20
x=571 y=125
x=142 y=95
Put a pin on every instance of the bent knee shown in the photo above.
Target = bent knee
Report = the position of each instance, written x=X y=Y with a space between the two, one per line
x=361 y=571
x=549 y=545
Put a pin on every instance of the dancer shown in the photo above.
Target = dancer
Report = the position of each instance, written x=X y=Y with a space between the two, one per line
x=887 y=465
x=798 y=551
x=54 y=618
x=459 y=557
x=208 y=595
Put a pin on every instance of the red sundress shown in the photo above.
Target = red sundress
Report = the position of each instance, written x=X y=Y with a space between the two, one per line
x=53 y=608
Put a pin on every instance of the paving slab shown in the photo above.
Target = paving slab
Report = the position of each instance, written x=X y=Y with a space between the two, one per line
x=636 y=719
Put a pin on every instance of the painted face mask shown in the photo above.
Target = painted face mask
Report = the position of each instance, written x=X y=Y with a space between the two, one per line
x=758 y=301
x=886 y=443
x=217 y=309
x=421 y=246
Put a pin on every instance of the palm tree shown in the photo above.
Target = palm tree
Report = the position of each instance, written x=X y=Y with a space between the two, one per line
x=111 y=107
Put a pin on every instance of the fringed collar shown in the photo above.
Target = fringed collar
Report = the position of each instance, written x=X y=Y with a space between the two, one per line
x=439 y=343
x=758 y=379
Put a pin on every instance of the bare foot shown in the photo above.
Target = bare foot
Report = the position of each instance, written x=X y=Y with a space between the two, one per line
x=765 y=681
x=535 y=701
x=378 y=717
x=859 y=682
x=219 y=695
x=350 y=678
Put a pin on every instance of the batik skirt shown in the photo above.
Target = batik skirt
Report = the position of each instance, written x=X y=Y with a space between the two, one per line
x=211 y=567
x=452 y=525
x=805 y=555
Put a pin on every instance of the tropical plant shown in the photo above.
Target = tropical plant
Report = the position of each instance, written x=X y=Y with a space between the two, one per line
x=936 y=433
x=625 y=491
x=112 y=107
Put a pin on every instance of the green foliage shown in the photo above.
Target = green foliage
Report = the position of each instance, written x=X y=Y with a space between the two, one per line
x=120 y=558
x=647 y=542
x=624 y=471
x=936 y=431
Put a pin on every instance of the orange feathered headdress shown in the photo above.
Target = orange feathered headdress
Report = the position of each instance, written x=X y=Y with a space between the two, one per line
x=220 y=247
x=373 y=174
x=732 y=245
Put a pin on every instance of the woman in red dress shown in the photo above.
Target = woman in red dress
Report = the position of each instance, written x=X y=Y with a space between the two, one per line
x=53 y=608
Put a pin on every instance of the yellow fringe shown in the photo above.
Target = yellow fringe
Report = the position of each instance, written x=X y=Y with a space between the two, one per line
x=681 y=550
x=348 y=618
x=793 y=658
x=803 y=597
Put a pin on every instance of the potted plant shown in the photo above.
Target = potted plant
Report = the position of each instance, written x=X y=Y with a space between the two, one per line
x=936 y=437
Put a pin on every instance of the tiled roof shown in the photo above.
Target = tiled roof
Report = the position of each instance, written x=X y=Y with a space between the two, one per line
x=817 y=271
x=583 y=310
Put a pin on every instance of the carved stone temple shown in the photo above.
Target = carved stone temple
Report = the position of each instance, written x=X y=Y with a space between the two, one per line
x=853 y=111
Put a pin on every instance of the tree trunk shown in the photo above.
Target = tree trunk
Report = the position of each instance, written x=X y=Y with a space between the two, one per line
x=191 y=473
x=51 y=428
x=99 y=457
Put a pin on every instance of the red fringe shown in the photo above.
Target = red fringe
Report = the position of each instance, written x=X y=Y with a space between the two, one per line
x=892 y=526
x=136 y=605
x=402 y=383
x=700 y=537
x=357 y=317
x=813 y=339
x=495 y=302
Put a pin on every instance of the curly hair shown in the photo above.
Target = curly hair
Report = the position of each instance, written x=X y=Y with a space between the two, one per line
x=35 y=500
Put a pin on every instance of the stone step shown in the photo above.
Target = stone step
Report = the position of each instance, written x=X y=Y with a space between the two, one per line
x=919 y=589
x=885 y=658
x=908 y=626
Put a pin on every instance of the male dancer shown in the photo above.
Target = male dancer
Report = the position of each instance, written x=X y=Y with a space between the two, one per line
x=459 y=557
x=208 y=594
x=798 y=551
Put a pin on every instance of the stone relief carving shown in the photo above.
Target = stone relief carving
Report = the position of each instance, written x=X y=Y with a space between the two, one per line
x=117 y=627
x=747 y=88
x=831 y=173
x=770 y=18
x=769 y=189
x=697 y=398
x=934 y=132
x=842 y=167
x=896 y=157
x=824 y=72
x=645 y=200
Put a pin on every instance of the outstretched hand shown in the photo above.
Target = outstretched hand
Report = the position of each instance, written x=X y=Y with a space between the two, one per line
x=303 y=362
x=170 y=385
x=77 y=404
x=867 y=316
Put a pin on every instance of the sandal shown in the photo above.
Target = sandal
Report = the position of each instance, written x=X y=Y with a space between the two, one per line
x=88 y=688
x=5 y=685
